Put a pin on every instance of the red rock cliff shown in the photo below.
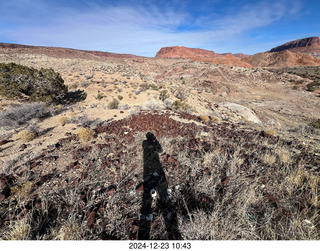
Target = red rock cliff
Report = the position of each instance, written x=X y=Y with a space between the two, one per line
x=305 y=45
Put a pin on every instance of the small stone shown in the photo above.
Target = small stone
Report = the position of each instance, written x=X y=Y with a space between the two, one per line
x=3 y=142
x=91 y=219
x=2 y=183
x=111 y=191
x=139 y=188
x=134 y=228
x=2 y=197
x=170 y=160
x=22 y=147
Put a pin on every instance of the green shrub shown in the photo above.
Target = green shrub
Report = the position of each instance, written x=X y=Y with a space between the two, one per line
x=313 y=86
x=99 y=96
x=153 y=87
x=315 y=124
x=114 y=104
x=120 y=97
x=180 y=105
x=18 y=81
x=164 y=94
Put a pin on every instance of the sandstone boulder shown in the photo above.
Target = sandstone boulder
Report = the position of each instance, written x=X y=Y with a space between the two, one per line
x=243 y=111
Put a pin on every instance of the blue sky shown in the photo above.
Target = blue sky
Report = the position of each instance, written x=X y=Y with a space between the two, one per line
x=142 y=27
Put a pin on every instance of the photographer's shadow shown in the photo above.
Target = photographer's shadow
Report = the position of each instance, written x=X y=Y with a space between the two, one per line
x=155 y=188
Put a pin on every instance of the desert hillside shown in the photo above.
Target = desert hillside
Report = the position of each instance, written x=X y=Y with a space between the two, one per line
x=202 y=55
x=302 y=52
x=305 y=45
x=130 y=148
x=283 y=58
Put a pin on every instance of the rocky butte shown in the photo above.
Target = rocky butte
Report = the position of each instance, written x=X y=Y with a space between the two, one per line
x=305 y=45
x=203 y=56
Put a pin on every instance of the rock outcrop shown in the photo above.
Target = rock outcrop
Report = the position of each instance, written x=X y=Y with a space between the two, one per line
x=184 y=52
x=305 y=45
x=203 y=56
x=244 y=112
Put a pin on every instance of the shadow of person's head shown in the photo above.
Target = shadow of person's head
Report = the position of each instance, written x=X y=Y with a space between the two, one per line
x=151 y=146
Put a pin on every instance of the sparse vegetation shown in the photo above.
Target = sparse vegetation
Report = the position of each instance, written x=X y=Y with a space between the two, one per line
x=315 y=124
x=164 y=94
x=271 y=132
x=17 y=116
x=216 y=119
x=27 y=135
x=153 y=87
x=152 y=104
x=85 y=134
x=62 y=120
x=99 y=96
x=308 y=72
x=114 y=104
x=181 y=93
x=180 y=105
x=314 y=86
x=204 y=118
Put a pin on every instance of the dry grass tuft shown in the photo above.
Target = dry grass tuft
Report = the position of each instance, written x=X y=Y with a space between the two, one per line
x=22 y=191
x=216 y=119
x=85 y=134
x=204 y=118
x=70 y=230
x=27 y=135
x=62 y=120
x=18 y=230
x=271 y=132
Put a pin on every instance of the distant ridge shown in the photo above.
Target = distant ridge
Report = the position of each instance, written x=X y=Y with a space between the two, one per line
x=67 y=52
x=202 y=56
x=305 y=45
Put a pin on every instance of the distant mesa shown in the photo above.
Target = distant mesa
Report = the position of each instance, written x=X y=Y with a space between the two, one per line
x=306 y=45
x=183 y=52
x=303 y=52
x=203 y=56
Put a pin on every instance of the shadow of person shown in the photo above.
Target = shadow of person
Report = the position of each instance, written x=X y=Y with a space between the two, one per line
x=154 y=181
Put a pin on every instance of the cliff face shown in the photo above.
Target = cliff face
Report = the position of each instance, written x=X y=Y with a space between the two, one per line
x=183 y=52
x=202 y=55
x=305 y=45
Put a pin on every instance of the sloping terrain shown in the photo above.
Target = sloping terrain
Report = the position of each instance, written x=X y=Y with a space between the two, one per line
x=63 y=52
x=284 y=58
x=306 y=45
x=223 y=181
x=301 y=52
x=236 y=153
